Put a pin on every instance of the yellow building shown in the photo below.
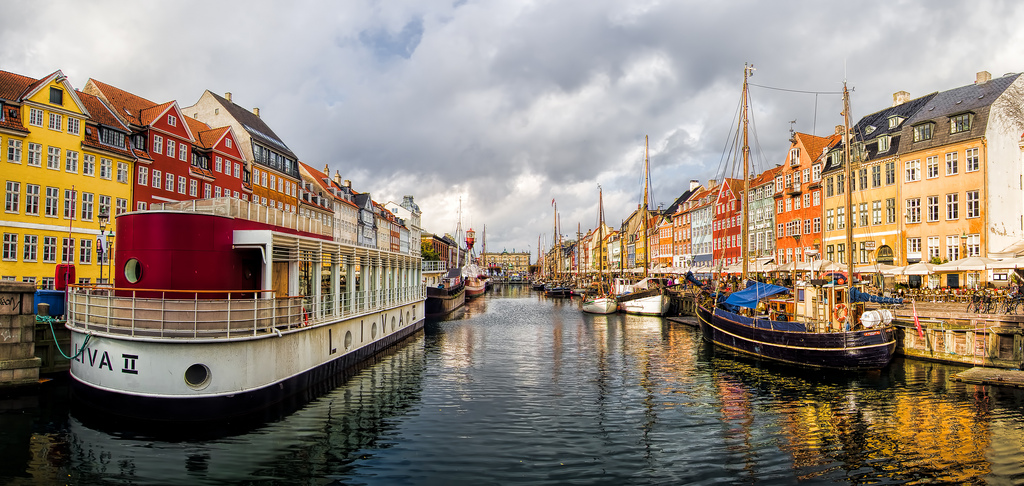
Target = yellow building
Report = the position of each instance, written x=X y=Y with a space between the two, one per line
x=60 y=176
x=506 y=262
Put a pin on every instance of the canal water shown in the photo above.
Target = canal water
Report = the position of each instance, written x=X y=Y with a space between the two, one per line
x=518 y=388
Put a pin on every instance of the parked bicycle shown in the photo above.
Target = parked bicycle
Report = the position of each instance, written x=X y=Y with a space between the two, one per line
x=981 y=303
x=1014 y=301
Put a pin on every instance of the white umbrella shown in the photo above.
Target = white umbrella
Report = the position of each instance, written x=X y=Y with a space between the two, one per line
x=921 y=268
x=787 y=267
x=893 y=271
x=1017 y=262
x=969 y=264
x=876 y=268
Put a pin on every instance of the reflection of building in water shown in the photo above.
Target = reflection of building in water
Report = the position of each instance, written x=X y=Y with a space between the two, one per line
x=338 y=423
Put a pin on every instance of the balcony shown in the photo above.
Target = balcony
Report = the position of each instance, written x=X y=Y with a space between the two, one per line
x=794 y=189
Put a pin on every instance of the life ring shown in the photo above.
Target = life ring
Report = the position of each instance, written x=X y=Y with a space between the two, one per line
x=841 y=312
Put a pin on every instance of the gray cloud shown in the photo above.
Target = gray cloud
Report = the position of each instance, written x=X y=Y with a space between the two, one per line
x=506 y=105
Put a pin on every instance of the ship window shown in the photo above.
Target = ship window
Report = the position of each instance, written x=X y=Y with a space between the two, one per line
x=373 y=331
x=348 y=339
x=133 y=271
x=392 y=323
x=197 y=376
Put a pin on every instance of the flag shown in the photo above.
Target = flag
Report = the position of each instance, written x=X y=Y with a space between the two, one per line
x=917 y=322
x=552 y=201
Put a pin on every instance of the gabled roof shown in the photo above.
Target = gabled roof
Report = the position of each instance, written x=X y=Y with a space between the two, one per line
x=202 y=133
x=878 y=125
x=101 y=113
x=766 y=177
x=254 y=126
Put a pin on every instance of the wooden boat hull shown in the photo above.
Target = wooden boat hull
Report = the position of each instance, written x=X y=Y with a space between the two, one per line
x=558 y=292
x=865 y=349
x=600 y=305
x=443 y=301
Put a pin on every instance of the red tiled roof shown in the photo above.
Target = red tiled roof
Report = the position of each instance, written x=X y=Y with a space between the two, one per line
x=202 y=132
x=126 y=104
x=100 y=112
x=147 y=115
x=13 y=86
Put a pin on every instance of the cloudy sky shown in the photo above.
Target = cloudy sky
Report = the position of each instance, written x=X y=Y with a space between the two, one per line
x=506 y=105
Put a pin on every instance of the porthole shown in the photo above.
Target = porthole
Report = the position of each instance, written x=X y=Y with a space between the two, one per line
x=133 y=270
x=373 y=331
x=348 y=339
x=197 y=376
x=392 y=323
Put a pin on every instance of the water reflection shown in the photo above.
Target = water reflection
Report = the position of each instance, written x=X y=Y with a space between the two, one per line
x=522 y=388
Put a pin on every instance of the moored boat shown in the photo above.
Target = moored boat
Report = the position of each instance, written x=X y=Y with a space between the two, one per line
x=448 y=295
x=823 y=325
x=648 y=297
x=221 y=306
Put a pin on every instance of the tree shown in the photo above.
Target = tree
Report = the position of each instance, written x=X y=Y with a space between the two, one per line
x=428 y=252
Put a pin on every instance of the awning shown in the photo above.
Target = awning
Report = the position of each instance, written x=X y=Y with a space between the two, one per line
x=754 y=292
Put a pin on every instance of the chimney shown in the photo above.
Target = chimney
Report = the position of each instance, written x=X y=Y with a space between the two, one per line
x=347 y=183
x=694 y=184
x=256 y=111
x=227 y=96
x=337 y=178
x=327 y=170
x=712 y=183
x=983 y=77
x=900 y=97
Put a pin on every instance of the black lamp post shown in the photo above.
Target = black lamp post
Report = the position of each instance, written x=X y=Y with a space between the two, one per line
x=103 y=218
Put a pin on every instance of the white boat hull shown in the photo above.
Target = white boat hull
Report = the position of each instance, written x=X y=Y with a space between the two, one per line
x=655 y=305
x=600 y=305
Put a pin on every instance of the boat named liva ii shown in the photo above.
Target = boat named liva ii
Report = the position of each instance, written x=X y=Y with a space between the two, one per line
x=221 y=307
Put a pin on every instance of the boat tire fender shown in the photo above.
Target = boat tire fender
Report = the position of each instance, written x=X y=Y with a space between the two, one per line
x=841 y=312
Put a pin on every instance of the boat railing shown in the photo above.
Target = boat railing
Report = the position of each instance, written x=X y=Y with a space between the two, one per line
x=434 y=266
x=202 y=314
x=237 y=208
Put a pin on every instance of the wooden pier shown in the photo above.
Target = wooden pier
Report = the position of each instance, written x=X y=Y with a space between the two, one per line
x=991 y=376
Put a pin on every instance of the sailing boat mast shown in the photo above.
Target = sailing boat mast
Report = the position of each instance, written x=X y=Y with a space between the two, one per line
x=643 y=207
x=600 y=231
x=745 y=195
x=847 y=174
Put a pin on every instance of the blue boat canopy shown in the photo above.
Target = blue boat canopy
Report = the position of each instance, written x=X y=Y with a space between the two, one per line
x=754 y=292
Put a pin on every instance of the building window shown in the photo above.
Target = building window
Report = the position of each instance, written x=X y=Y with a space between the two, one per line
x=973 y=245
x=817 y=225
x=68 y=251
x=953 y=247
x=53 y=158
x=890 y=173
x=56 y=96
x=172 y=121
x=158 y=144
x=913 y=245
x=30 y=248
x=56 y=121
x=863 y=214
x=216 y=191
x=914 y=210
x=69 y=204
x=85 y=250
x=49 y=249
x=208 y=190
x=143 y=176
x=960 y=123
x=932 y=167
x=876 y=176
x=840 y=183
x=87 y=200
x=218 y=164
x=883 y=143
x=89 y=165
x=923 y=132
x=71 y=162
x=972 y=162
x=32 y=199
x=14 y=150
x=140 y=206
x=74 y=126
x=829 y=220
x=181 y=184
x=794 y=156
x=973 y=204
x=840 y=218
x=157 y=179
x=104 y=206
x=237 y=168
x=52 y=196
x=170 y=183
x=876 y=212
x=863 y=179
x=952 y=165
x=170 y=148
x=35 y=117
x=913 y=171
x=952 y=206
x=816 y=173
x=122 y=172
x=933 y=208
x=183 y=154
x=193 y=188
x=933 y=247
x=106 y=167
x=10 y=247
x=122 y=206
x=11 y=198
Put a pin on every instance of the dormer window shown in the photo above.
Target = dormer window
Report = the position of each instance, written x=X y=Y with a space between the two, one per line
x=894 y=121
x=869 y=130
x=960 y=123
x=923 y=132
x=883 y=143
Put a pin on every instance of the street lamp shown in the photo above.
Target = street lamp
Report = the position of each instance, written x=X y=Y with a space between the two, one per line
x=103 y=218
